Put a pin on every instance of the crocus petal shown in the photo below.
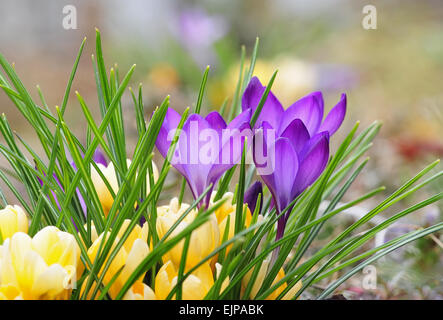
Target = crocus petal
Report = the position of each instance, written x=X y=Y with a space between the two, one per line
x=261 y=152
x=171 y=121
x=99 y=157
x=231 y=151
x=195 y=172
x=312 y=165
x=335 y=117
x=281 y=181
x=272 y=109
x=231 y=145
x=165 y=135
x=310 y=145
x=243 y=117
x=308 y=109
x=216 y=121
x=297 y=134
x=251 y=196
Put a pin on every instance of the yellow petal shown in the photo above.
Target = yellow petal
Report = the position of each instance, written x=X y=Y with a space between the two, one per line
x=225 y=283
x=12 y=219
x=138 y=252
x=50 y=283
x=291 y=293
x=163 y=280
x=140 y=291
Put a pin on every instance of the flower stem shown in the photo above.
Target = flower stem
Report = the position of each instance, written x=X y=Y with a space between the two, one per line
x=281 y=224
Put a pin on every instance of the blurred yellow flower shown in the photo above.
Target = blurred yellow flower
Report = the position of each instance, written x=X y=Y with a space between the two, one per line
x=108 y=172
x=295 y=77
x=164 y=77
x=195 y=287
x=42 y=267
x=261 y=277
x=130 y=255
x=202 y=242
x=12 y=219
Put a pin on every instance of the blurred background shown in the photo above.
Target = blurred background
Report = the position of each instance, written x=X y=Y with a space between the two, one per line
x=393 y=74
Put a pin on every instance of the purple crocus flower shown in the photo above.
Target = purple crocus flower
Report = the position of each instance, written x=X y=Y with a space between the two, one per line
x=300 y=151
x=207 y=147
x=197 y=31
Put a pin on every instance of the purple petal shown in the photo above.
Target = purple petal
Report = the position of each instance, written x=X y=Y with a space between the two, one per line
x=216 y=121
x=272 y=109
x=232 y=139
x=82 y=201
x=238 y=121
x=312 y=165
x=310 y=145
x=263 y=138
x=335 y=117
x=195 y=172
x=297 y=134
x=99 y=157
x=281 y=181
x=171 y=121
x=308 y=109
x=251 y=196
x=231 y=150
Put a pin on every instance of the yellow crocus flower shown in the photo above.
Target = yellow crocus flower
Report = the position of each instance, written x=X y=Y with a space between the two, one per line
x=42 y=267
x=261 y=277
x=195 y=287
x=227 y=209
x=12 y=219
x=203 y=240
x=130 y=255
x=108 y=172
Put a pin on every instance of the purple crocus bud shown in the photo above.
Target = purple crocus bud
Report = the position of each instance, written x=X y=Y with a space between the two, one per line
x=251 y=196
x=206 y=148
x=99 y=157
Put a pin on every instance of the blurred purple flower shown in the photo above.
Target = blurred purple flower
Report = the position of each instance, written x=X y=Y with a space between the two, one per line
x=206 y=148
x=198 y=31
x=301 y=146
x=332 y=77
x=198 y=28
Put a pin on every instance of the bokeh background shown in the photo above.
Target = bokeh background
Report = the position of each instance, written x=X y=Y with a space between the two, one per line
x=393 y=74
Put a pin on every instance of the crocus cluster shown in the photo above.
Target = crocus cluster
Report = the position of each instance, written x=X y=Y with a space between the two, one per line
x=296 y=141
x=298 y=151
